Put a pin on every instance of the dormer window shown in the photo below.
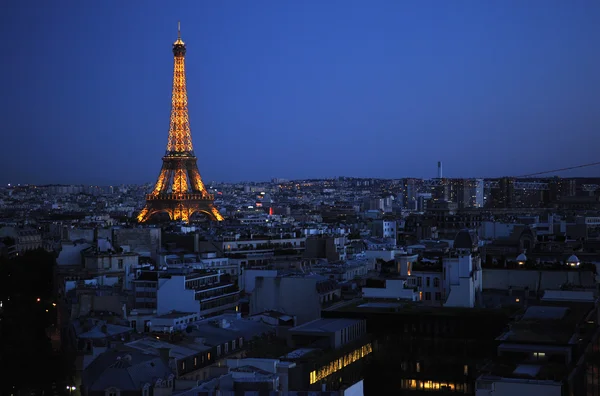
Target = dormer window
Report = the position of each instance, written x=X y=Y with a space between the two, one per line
x=112 y=392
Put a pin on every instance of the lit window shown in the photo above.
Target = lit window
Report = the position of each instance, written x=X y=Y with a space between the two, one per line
x=539 y=355
x=182 y=366
x=418 y=367
x=195 y=361
x=466 y=369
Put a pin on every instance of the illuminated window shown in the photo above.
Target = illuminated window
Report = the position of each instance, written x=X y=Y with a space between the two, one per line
x=195 y=361
x=182 y=366
x=208 y=356
x=466 y=369
x=539 y=355
x=408 y=268
x=418 y=367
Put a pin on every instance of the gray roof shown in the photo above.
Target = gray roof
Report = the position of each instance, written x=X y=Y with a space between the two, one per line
x=466 y=239
x=213 y=334
x=98 y=331
x=151 y=346
x=125 y=369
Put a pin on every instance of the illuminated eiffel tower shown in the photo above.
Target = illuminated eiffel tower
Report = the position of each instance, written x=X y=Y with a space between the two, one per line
x=179 y=190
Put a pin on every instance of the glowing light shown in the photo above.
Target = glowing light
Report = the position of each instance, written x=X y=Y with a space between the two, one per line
x=38 y=299
x=54 y=304
x=179 y=190
x=340 y=363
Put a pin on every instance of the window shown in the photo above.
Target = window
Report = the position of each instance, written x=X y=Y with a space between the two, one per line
x=226 y=347
x=112 y=392
x=427 y=295
x=120 y=263
x=241 y=342
x=233 y=344
x=208 y=356
x=436 y=282
x=438 y=296
x=428 y=281
x=419 y=281
x=408 y=268
x=182 y=366
x=195 y=361
x=418 y=368
x=218 y=350
x=539 y=355
x=466 y=369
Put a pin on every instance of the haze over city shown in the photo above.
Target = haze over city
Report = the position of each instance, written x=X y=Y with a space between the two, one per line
x=300 y=89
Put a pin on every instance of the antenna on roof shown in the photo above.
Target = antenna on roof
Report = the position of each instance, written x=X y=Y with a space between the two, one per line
x=179 y=29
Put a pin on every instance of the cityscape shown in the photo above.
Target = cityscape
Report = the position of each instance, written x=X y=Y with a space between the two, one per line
x=333 y=286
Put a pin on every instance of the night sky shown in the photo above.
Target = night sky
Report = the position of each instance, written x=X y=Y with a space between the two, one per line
x=300 y=88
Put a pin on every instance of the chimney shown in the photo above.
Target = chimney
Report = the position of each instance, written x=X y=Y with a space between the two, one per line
x=439 y=169
x=164 y=354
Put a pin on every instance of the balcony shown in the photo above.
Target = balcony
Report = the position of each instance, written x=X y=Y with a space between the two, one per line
x=216 y=290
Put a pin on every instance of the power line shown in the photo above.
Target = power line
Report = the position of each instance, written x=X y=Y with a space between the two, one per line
x=559 y=170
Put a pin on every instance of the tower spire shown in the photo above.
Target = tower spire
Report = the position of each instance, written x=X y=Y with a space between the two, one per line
x=179 y=30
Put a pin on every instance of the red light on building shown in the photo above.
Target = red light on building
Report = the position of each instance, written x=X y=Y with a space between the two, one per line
x=271 y=211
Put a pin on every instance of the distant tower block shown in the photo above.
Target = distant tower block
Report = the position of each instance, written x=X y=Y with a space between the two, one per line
x=439 y=170
x=179 y=190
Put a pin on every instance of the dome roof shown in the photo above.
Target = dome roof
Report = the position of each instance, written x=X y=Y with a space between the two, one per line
x=573 y=259
x=521 y=257
x=466 y=239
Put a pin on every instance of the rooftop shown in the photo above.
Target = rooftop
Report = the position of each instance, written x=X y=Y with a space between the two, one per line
x=177 y=351
x=175 y=315
x=324 y=325
x=548 y=322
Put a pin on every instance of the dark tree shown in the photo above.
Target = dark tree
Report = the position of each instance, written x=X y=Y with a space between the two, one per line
x=27 y=295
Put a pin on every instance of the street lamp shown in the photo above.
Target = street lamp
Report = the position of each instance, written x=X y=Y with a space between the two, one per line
x=70 y=388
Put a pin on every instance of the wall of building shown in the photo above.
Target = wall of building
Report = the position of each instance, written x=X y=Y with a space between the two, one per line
x=394 y=289
x=251 y=275
x=173 y=296
x=502 y=279
x=521 y=388
x=145 y=241
x=295 y=296
x=494 y=230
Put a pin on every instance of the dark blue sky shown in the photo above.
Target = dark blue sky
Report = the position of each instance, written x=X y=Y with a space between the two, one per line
x=300 y=89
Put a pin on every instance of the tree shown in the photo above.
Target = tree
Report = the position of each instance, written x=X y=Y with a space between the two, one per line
x=27 y=295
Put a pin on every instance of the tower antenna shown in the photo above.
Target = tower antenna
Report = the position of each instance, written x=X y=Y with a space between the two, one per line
x=179 y=30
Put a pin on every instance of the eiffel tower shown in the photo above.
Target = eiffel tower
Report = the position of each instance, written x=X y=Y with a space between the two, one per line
x=179 y=190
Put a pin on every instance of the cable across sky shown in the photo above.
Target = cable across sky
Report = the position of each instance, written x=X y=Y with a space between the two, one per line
x=560 y=169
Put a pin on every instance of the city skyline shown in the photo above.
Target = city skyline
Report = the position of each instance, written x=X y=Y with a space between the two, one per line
x=345 y=81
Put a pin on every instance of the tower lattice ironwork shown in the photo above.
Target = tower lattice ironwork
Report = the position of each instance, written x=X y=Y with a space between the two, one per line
x=179 y=190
